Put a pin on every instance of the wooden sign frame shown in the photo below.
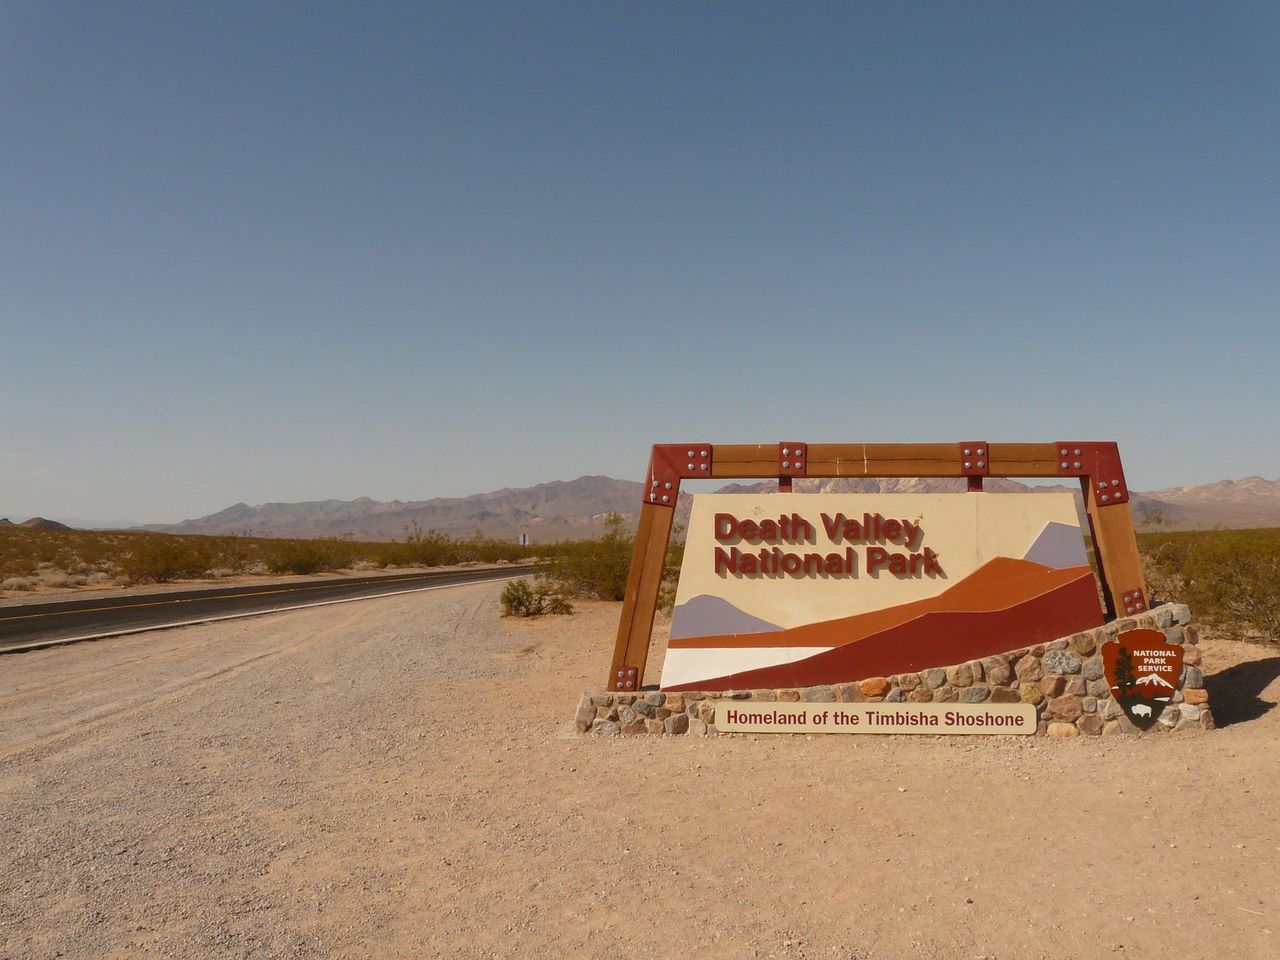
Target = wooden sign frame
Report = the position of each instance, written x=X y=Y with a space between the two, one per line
x=1096 y=464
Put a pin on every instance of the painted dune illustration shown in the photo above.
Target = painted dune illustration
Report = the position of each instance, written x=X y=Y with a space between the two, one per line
x=1006 y=603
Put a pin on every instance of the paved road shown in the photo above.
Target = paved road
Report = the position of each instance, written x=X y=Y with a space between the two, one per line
x=70 y=620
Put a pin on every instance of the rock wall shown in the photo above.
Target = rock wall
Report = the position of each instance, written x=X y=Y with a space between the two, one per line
x=1063 y=679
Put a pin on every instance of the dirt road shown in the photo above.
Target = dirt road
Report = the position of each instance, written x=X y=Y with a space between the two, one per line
x=343 y=782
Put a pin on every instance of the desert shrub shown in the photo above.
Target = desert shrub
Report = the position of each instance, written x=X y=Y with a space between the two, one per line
x=16 y=583
x=519 y=599
x=592 y=569
x=1230 y=578
x=308 y=556
x=160 y=558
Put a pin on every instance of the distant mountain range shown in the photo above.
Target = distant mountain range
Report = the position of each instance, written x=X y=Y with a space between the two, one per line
x=577 y=508
x=35 y=523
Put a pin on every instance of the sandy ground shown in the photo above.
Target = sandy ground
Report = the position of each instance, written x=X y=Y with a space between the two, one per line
x=350 y=782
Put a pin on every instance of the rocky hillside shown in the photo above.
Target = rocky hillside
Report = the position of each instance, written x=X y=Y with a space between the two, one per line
x=576 y=508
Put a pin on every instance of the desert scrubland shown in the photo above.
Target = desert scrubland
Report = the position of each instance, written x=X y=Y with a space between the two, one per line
x=396 y=778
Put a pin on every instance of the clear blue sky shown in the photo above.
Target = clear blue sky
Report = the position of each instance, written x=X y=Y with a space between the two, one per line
x=297 y=251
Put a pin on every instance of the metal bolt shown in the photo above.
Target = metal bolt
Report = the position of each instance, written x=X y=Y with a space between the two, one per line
x=967 y=464
x=1063 y=451
x=786 y=452
x=704 y=453
x=981 y=463
x=619 y=673
x=691 y=466
x=786 y=464
x=1105 y=498
x=1128 y=609
x=981 y=451
x=1064 y=464
x=667 y=485
x=691 y=453
x=704 y=466
x=1115 y=483
x=966 y=451
x=655 y=483
x=1077 y=464
x=1078 y=451
x=665 y=498
x=799 y=464
x=1141 y=605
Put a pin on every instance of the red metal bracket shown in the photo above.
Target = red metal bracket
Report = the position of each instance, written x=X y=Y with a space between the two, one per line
x=974 y=461
x=792 y=457
x=626 y=678
x=668 y=463
x=1134 y=601
x=1100 y=463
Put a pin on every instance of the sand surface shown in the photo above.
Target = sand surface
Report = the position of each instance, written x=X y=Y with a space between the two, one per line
x=349 y=781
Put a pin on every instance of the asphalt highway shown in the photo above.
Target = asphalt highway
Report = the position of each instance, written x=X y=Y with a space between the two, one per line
x=31 y=626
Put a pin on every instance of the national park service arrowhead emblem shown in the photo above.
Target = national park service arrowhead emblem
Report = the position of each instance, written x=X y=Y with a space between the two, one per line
x=1144 y=672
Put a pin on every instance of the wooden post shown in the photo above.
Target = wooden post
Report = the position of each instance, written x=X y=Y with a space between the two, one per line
x=635 y=626
x=1119 y=565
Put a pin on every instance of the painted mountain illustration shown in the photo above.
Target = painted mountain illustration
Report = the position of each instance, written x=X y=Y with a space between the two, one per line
x=1006 y=603
x=1154 y=680
x=1058 y=546
x=705 y=614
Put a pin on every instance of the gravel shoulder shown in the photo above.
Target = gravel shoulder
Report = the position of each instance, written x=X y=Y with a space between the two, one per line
x=351 y=781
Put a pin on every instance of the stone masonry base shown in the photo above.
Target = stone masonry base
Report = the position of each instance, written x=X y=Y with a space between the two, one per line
x=1063 y=679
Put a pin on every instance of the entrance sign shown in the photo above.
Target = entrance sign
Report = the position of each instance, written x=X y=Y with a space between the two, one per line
x=740 y=716
x=878 y=543
x=824 y=588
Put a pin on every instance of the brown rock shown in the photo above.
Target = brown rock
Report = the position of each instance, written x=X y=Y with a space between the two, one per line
x=875 y=687
x=585 y=715
x=1066 y=707
x=1206 y=718
x=959 y=676
x=1063 y=730
x=678 y=723
x=1029 y=668
x=1075 y=686
x=626 y=715
x=789 y=696
x=603 y=699
x=1004 y=695
x=661 y=713
x=1193 y=634
x=1030 y=693
x=1191 y=656
x=909 y=681
x=634 y=727
x=1053 y=686
x=1090 y=724
x=655 y=726
x=1112 y=728
x=606 y=713
x=997 y=670
x=921 y=694
x=978 y=673
x=945 y=694
x=766 y=695
x=1195 y=695
x=693 y=695
x=621 y=698
x=821 y=693
x=675 y=702
x=849 y=693
x=1084 y=643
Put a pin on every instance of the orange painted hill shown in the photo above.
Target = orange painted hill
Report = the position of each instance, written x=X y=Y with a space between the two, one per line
x=932 y=639
x=1000 y=583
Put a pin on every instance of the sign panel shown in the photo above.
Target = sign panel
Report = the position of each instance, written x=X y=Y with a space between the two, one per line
x=796 y=590
x=1143 y=670
x=743 y=716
